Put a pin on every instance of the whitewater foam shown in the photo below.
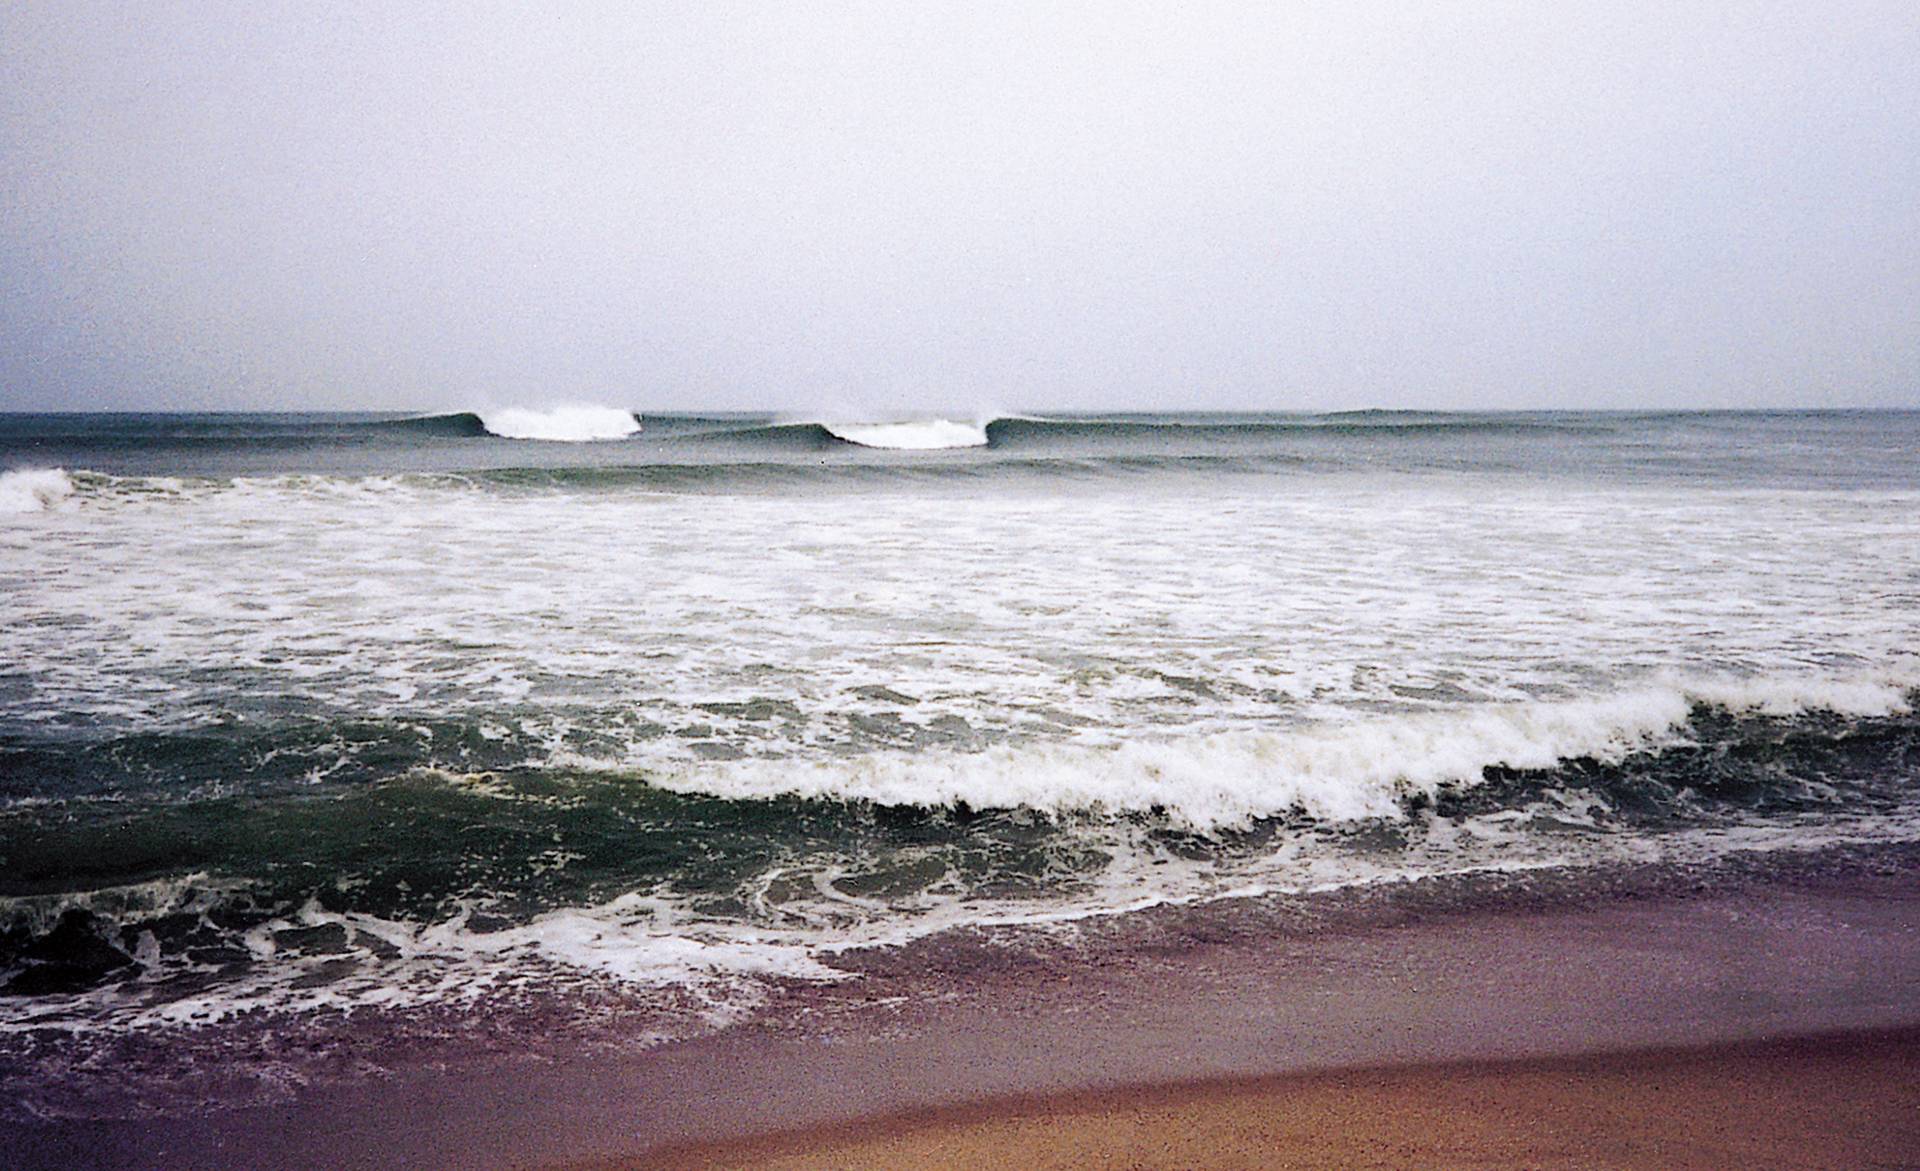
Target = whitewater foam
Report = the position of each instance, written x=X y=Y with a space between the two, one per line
x=1334 y=772
x=563 y=424
x=913 y=435
x=660 y=941
x=33 y=489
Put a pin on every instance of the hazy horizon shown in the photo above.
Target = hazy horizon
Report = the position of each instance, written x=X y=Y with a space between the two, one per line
x=857 y=211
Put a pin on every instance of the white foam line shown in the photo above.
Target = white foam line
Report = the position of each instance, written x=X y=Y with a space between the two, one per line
x=1345 y=771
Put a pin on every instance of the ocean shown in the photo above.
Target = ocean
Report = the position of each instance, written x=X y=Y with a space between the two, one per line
x=519 y=722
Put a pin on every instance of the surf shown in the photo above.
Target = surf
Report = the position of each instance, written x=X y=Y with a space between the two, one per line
x=1343 y=771
x=24 y=490
x=561 y=424
x=912 y=435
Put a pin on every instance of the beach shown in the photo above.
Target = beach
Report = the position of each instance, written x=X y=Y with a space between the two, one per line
x=1850 y=1100
x=1759 y=1020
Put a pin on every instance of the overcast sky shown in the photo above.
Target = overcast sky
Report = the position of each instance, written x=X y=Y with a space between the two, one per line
x=881 y=207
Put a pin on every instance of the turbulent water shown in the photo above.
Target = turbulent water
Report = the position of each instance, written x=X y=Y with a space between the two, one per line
x=322 y=711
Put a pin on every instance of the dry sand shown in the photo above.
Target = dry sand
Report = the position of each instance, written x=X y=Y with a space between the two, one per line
x=1850 y=1101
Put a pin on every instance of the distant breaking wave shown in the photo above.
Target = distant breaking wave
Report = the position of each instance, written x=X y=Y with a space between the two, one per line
x=914 y=435
x=571 y=424
x=1014 y=431
x=714 y=449
x=903 y=435
x=585 y=423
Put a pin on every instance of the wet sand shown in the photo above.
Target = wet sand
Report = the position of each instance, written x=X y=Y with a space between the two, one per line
x=1851 y=1100
x=1612 y=1028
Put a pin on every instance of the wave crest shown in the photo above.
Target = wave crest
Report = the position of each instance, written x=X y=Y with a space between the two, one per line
x=33 y=489
x=913 y=435
x=567 y=424
x=1337 y=772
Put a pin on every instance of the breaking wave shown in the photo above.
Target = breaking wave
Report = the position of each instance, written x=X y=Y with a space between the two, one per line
x=33 y=489
x=746 y=448
x=462 y=875
x=1035 y=432
x=1038 y=435
x=915 y=435
x=1339 y=772
x=569 y=424
x=438 y=885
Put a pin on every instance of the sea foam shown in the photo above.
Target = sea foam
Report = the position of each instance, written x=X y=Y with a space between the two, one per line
x=1341 y=771
x=33 y=489
x=564 y=424
x=915 y=435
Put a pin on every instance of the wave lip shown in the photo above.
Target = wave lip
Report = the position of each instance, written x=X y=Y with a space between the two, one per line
x=33 y=489
x=912 y=435
x=562 y=424
x=1340 y=772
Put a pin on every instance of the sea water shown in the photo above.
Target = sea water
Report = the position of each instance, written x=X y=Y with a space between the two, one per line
x=327 y=713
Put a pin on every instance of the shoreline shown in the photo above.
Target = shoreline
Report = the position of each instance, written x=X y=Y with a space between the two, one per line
x=1807 y=1101
x=1215 y=996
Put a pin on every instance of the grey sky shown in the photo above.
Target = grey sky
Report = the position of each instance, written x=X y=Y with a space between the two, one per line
x=876 y=207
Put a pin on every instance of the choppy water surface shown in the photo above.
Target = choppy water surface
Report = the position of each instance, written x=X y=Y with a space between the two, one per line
x=321 y=711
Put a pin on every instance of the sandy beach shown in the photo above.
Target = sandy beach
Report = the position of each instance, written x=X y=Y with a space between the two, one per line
x=1851 y=1100
x=1772 y=1020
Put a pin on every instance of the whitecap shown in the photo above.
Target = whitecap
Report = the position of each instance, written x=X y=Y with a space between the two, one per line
x=1335 y=771
x=564 y=424
x=913 y=435
x=33 y=489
